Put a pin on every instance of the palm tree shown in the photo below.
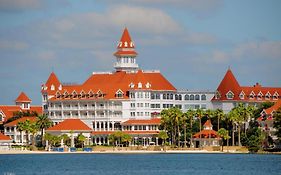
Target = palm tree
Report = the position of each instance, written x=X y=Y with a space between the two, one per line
x=199 y=115
x=43 y=122
x=26 y=127
x=48 y=138
x=81 y=138
x=163 y=135
x=126 y=138
x=20 y=127
x=220 y=115
x=190 y=115
x=233 y=115
x=223 y=133
x=65 y=138
x=184 y=120
x=245 y=112
x=33 y=129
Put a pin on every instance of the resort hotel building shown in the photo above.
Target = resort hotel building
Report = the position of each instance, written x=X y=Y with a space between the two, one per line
x=128 y=99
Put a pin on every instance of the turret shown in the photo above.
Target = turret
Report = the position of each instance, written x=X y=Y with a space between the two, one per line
x=126 y=54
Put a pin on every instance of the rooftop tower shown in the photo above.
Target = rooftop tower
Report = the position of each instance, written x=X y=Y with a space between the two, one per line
x=126 y=54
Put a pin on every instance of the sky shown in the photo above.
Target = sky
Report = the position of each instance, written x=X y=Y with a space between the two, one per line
x=192 y=42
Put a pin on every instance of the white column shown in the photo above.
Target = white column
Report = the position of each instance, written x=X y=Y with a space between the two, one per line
x=61 y=143
x=156 y=141
x=15 y=134
x=113 y=125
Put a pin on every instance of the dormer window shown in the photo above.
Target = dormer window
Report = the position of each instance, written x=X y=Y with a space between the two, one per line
x=52 y=87
x=83 y=95
x=60 y=87
x=147 y=85
x=242 y=95
x=230 y=95
x=99 y=94
x=74 y=94
x=119 y=94
x=91 y=94
x=259 y=96
x=131 y=85
x=66 y=94
x=217 y=95
x=267 y=96
x=58 y=95
x=252 y=95
x=139 y=85
x=275 y=96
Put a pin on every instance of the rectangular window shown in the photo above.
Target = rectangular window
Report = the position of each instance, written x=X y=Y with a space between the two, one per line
x=133 y=105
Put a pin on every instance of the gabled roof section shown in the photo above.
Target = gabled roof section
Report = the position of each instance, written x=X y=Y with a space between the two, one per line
x=52 y=80
x=23 y=98
x=23 y=119
x=273 y=108
x=228 y=83
x=70 y=125
x=208 y=124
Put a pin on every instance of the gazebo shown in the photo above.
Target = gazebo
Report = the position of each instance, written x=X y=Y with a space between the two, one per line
x=207 y=136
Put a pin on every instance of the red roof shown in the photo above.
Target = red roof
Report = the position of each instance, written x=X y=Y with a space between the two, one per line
x=4 y=137
x=255 y=93
x=23 y=98
x=109 y=83
x=52 y=80
x=15 y=122
x=70 y=125
x=153 y=121
x=127 y=132
x=127 y=52
x=206 y=134
x=125 y=41
x=9 y=111
x=273 y=108
x=208 y=124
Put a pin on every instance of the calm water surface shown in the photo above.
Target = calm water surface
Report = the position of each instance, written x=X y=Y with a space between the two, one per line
x=138 y=164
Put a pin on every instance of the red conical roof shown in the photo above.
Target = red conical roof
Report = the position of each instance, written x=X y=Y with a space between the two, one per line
x=208 y=124
x=125 y=41
x=23 y=98
x=229 y=83
x=53 y=80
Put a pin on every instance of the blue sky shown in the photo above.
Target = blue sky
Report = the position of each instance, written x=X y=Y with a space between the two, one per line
x=192 y=42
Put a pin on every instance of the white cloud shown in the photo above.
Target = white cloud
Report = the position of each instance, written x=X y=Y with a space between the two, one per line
x=198 y=7
x=47 y=55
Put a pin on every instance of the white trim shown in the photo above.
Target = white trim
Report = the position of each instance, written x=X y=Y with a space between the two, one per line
x=229 y=92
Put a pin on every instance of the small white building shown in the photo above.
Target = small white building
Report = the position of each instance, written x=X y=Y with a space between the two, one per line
x=5 y=142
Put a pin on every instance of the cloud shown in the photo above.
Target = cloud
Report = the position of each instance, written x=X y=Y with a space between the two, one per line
x=47 y=55
x=13 y=45
x=200 y=8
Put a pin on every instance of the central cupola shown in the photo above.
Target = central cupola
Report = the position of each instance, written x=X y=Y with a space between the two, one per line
x=126 y=54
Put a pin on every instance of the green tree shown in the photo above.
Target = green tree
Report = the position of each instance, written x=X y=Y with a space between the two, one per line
x=66 y=139
x=277 y=123
x=199 y=114
x=233 y=115
x=81 y=140
x=126 y=138
x=223 y=133
x=220 y=116
x=163 y=135
x=43 y=122
x=190 y=116
x=33 y=130
x=20 y=127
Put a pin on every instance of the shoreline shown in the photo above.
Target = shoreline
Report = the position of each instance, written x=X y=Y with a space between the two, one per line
x=123 y=152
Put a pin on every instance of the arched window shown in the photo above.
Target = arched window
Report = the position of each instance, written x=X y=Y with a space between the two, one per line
x=176 y=97
x=197 y=97
x=191 y=97
x=203 y=97
x=171 y=96
x=186 y=97
x=180 y=98
x=119 y=94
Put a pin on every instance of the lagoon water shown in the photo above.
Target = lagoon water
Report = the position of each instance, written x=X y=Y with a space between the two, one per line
x=140 y=164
